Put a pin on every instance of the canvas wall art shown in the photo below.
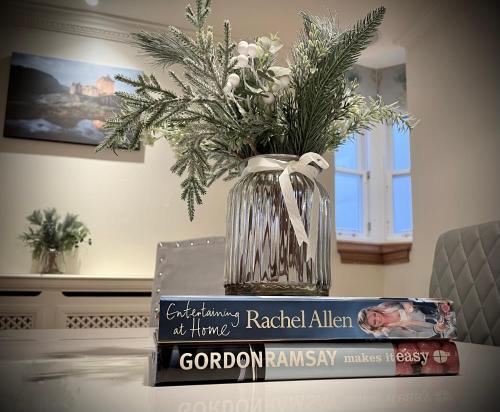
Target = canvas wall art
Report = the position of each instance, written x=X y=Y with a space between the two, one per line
x=61 y=100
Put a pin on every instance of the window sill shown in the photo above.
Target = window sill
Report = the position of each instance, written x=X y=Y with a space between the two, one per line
x=374 y=253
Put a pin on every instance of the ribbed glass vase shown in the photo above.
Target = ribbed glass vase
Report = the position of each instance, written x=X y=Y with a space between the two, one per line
x=263 y=256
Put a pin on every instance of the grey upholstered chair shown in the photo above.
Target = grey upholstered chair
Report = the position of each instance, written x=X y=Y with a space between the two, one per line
x=466 y=269
x=188 y=267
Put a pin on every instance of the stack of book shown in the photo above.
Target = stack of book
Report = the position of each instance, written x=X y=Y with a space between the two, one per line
x=217 y=339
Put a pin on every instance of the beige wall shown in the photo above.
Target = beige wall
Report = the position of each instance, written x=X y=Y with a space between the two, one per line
x=453 y=87
x=132 y=201
x=129 y=202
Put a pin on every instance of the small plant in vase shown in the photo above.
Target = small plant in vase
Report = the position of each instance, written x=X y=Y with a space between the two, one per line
x=49 y=237
x=237 y=113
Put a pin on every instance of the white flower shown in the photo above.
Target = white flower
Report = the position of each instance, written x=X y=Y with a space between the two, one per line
x=268 y=98
x=284 y=81
x=228 y=89
x=243 y=47
x=233 y=79
x=280 y=83
x=252 y=50
x=255 y=50
x=242 y=61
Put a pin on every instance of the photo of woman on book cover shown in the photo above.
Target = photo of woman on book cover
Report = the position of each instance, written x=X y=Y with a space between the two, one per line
x=407 y=319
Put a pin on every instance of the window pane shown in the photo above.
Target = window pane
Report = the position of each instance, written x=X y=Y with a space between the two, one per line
x=347 y=155
x=400 y=149
x=348 y=202
x=401 y=204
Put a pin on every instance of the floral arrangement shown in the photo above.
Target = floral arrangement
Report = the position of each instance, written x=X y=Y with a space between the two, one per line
x=233 y=101
x=47 y=232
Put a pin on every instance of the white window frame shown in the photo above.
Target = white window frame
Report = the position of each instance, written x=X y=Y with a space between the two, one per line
x=390 y=173
x=362 y=171
x=376 y=162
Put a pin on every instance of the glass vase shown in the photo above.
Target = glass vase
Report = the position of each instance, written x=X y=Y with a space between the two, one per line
x=263 y=256
x=51 y=261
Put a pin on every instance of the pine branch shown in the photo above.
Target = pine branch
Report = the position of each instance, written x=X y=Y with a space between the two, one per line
x=226 y=109
x=363 y=115
x=192 y=161
x=166 y=48
x=185 y=88
x=199 y=18
x=226 y=51
x=316 y=93
x=140 y=112
x=225 y=165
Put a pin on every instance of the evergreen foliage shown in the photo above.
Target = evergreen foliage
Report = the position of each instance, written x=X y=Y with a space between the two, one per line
x=232 y=102
x=48 y=232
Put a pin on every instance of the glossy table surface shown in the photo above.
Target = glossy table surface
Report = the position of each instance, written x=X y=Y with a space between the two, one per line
x=105 y=370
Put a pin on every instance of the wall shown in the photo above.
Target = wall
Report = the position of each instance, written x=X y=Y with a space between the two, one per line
x=388 y=82
x=453 y=87
x=129 y=202
x=132 y=201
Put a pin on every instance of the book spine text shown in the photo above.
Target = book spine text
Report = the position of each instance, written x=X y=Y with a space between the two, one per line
x=224 y=363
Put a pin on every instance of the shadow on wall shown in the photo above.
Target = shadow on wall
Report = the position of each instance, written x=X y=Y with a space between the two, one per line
x=41 y=147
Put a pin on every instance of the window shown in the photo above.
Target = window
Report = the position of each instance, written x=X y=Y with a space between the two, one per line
x=373 y=200
x=400 y=183
x=350 y=187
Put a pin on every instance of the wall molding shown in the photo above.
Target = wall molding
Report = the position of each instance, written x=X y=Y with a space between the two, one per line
x=76 y=22
x=374 y=253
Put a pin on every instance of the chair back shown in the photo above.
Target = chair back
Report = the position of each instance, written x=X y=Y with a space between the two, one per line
x=188 y=267
x=466 y=269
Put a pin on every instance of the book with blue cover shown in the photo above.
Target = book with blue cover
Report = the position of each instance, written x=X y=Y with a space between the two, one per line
x=272 y=318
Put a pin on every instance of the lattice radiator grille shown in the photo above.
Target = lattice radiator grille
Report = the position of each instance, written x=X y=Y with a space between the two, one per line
x=88 y=321
x=16 y=321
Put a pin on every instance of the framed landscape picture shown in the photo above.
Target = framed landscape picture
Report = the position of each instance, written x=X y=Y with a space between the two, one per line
x=61 y=100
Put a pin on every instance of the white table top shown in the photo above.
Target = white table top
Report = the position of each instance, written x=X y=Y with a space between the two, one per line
x=105 y=370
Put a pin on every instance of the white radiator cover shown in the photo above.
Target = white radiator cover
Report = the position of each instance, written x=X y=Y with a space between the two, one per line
x=33 y=301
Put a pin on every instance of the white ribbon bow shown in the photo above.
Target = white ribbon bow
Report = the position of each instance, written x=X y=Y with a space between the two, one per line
x=304 y=167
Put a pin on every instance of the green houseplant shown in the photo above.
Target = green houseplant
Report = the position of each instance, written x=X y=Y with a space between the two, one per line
x=49 y=237
x=233 y=103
